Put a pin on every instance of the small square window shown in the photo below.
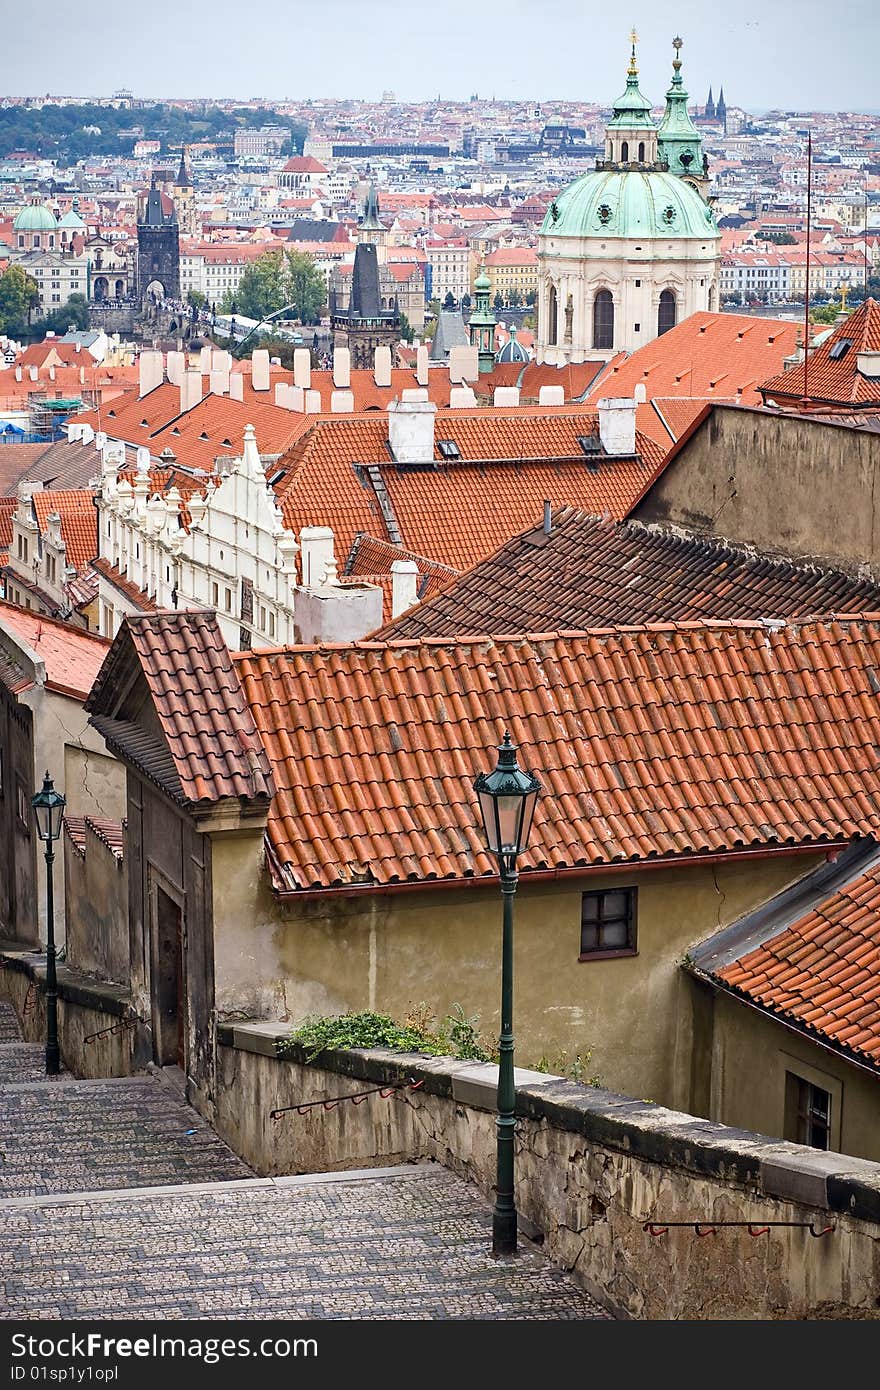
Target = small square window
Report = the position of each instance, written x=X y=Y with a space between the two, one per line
x=808 y=1111
x=608 y=923
x=23 y=808
x=638 y=284
x=637 y=328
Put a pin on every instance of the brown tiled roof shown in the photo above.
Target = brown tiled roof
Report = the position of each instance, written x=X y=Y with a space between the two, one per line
x=214 y=747
x=72 y=656
x=139 y=597
x=653 y=742
x=16 y=460
x=823 y=971
x=111 y=833
x=836 y=380
x=8 y=506
x=370 y=560
x=463 y=509
x=64 y=466
x=78 y=524
x=589 y=573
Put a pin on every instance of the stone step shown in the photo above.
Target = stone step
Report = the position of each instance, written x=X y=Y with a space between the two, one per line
x=21 y=1061
x=9 y=1026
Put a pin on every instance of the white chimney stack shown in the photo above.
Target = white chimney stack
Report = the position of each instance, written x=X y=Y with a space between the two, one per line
x=313 y=402
x=551 y=395
x=150 y=371
x=87 y=435
x=342 y=368
x=341 y=402
x=205 y=360
x=176 y=366
x=190 y=389
x=617 y=424
x=411 y=431
x=218 y=383
x=302 y=368
x=462 y=398
x=236 y=386
x=640 y=393
x=505 y=395
x=404 y=586
x=315 y=554
x=260 y=369
x=32 y=373
x=382 y=366
x=422 y=366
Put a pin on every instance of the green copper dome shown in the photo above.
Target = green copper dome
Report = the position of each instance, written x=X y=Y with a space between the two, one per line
x=35 y=218
x=629 y=204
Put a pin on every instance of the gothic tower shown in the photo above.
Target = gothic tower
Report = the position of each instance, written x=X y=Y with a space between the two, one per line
x=158 y=259
x=366 y=325
x=184 y=199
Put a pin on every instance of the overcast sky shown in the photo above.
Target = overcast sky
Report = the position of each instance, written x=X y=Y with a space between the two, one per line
x=816 y=54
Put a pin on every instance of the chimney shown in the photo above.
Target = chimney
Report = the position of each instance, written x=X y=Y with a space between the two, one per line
x=462 y=398
x=205 y=360
x=342 y=368
x=100 y=439
x=236 y=386
x=260 y=369
x=18 y=373
x=341 y=402
x=176 y=366
x=150 y=371
x=551 y=395
x=617 y=424
x=868 y=365
x=505 y=395
x=411 y=431
x=32 y=373
x=302 y=368
x=422 y=366
x=382 y=366
x=313 y=402
x=640 y=393
x=51 y=373
x=404 y=585
x=218 y=383
x=87 y=435
x=315 y=555
x=190 y=388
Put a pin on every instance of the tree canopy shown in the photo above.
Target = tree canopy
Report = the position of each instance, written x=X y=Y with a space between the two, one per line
x=76 y=131
x=19 y=295
x=278 y=279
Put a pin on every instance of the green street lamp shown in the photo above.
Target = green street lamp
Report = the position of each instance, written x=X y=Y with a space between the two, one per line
x=49 y=812
x=507 y=800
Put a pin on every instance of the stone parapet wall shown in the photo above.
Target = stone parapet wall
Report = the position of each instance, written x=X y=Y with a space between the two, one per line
x=85 y=1007
x=592 y=1168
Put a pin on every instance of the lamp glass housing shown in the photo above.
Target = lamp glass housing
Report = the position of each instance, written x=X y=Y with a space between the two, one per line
x=48 y=807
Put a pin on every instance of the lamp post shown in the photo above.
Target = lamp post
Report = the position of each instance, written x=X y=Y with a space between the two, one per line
x=49 y=809
x=507 y=798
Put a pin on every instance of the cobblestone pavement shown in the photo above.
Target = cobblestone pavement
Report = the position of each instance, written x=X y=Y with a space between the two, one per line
x=406 y=1247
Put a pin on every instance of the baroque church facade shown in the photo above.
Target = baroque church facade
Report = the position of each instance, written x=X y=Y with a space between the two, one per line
x=631 y=248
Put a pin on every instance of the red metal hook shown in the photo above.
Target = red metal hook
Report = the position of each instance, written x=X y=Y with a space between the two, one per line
x=709 y=1231
x=761 y=1231
x=654 y=1230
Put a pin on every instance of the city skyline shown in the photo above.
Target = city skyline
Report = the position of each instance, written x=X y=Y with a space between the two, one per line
x=355 y=58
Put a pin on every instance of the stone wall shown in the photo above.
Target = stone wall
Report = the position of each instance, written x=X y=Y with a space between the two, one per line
x=592 y=1168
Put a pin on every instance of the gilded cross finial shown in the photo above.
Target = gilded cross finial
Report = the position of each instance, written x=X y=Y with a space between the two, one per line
x=844 y=291
x=677 y=44
x=633 y=69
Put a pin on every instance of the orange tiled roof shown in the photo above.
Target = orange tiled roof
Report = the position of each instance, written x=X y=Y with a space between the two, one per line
x=713 y=355
x=836 y=380
x=464 y=509
x=78 y=526
x=823 y=971
x=655 y=742
x=210 y=733
x=72 y=656
x=137 y=596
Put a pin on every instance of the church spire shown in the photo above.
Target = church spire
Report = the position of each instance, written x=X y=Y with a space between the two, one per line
x=678 y=140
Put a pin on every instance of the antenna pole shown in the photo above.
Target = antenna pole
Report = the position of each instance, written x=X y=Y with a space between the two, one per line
x=807 y=290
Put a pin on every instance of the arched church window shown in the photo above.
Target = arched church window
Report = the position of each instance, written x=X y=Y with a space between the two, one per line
x=603 y=320
x=624 y=152
x=641 y=151
x=666 y=312
x=552 y=316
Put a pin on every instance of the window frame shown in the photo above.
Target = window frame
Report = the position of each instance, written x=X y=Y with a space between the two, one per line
x=605 y=952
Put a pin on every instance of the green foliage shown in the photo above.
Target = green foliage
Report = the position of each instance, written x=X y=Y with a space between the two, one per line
x=575 y=1068
x=777 y=238
x=407 y=332
x=498 y=301
x=196 y=300
x=532 y=297
x=277 y=279
x=74 y=314
x=58 y=132
x=449 y=301
x=19 y=295
x=455 y=1035
x=514 y=299
x=827 y=313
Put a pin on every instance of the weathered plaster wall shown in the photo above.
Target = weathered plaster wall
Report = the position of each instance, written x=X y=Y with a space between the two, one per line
x=777 y=482
x=740 y=1095
x=97 y=908
x=592 y=1167
x=392 y=951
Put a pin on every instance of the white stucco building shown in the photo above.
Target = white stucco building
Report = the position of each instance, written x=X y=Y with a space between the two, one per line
x=632 y=247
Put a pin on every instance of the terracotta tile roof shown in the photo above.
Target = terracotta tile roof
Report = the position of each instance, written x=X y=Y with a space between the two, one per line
x=75 y=828
x=370 y=561
x=15 y=461
x=575 y=378
x=214 y=747
x=8 y=506
x=463 y=509
x=111 y=833
x=709 y=355
x=677 y=414
x=78 y=526
x=72 y=656
x=589 y=572
x=65 y=466
x=836 y=380
x=139 y=597
x=822 y=972
x=660 y=741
